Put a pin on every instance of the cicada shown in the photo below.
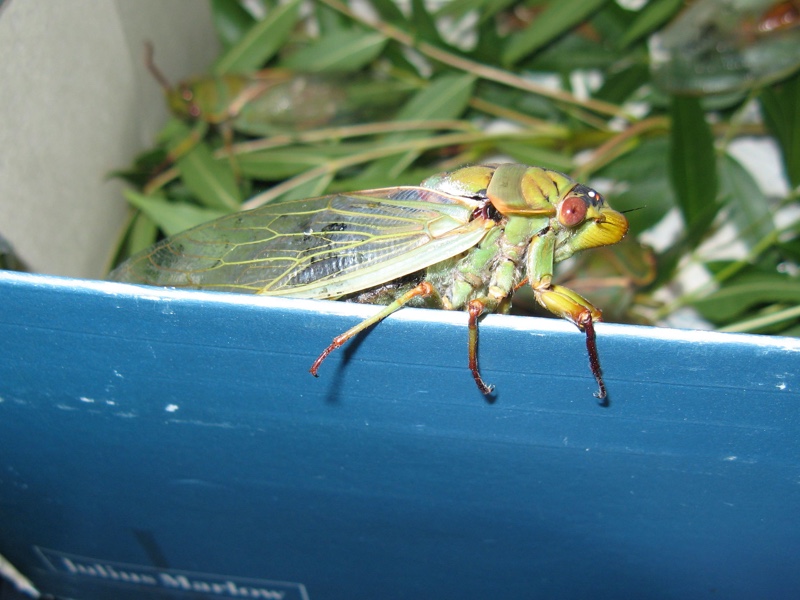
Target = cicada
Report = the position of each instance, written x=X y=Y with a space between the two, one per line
x=271 y=101
x=461 y=240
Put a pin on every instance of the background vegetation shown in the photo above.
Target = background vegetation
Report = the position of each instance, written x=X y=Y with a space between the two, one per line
x=375 y=95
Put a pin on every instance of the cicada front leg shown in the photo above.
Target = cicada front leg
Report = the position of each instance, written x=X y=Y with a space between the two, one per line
x=565 y=303
x=569 y=305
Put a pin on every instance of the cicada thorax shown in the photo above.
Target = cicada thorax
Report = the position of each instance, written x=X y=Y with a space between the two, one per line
x=520 y=202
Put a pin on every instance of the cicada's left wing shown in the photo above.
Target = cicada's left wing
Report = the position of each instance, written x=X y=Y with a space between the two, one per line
x=315 y=248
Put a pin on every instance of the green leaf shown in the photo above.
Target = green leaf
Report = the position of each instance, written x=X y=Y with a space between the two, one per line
x=693 y=166
x=171 y=217
x=423 y=24
x=490 y=44
x=389 y=12
x=339 y=52
x=212 y=181
x=274 y=165
x=781 y=108
x=139 y=233
x=328 y=20
x=650 y=18
x=619 y=86
x=261 y=42
x=142 y=234
x=446 y=97
x=774 y=320
x=230 y=20
x=748 y=291
x=559 y=17
x=487 y=8
x=750 y=209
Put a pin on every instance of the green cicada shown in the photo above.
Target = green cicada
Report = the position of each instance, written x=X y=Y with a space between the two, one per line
x=463 y=240
x=271 y=101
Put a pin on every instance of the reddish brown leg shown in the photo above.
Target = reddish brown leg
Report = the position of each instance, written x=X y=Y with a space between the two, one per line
x=421 y=291
x=475 y=310
x=587 y=324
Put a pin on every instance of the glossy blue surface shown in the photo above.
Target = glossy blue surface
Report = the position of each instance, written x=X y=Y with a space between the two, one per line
x=154 y=442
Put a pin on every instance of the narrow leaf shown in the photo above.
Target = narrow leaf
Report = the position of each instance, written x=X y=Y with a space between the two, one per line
x=619 y=86
x=749 y=205
x=781 y=105
x=693 y=169
x=389 y=12
x=424 y=25
x=212 y=181
x=559 y=17
x=142 y=233
x=171 y=217
x=274 y=165
x=487 y=8
x=339 y=52
x=445 y=98
x=650 y=18
x=261 y=42
x=746 y=292
x=230 y=20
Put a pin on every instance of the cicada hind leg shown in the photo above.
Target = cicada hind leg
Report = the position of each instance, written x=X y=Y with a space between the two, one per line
x=422 y=290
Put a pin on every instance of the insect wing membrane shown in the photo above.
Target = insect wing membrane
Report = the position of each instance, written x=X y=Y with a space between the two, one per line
x=314 y=248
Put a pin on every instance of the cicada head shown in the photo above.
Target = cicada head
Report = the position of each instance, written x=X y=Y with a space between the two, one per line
x=585 y=220
x=182 y=102
x=210 y=99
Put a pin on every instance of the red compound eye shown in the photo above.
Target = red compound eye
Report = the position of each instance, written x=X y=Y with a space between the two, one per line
x=572 y=211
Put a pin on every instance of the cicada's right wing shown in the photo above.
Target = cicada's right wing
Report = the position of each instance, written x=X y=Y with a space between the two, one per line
x=315 y=248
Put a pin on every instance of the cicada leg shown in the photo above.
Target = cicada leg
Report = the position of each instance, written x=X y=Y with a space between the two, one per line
x=569 y=305
x=564 y=302
x=475 y=309
x=423 y=290
x=594 y=359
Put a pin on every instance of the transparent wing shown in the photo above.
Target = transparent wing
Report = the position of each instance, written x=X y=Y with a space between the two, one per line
x=314 y=248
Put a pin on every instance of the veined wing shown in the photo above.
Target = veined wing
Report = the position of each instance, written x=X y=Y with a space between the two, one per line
x=314 y=248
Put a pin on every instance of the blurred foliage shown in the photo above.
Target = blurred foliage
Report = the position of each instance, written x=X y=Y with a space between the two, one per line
x=8 y=258
x=321 y=96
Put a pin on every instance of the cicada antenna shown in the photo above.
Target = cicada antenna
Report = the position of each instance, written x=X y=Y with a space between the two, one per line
x=149 y=54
